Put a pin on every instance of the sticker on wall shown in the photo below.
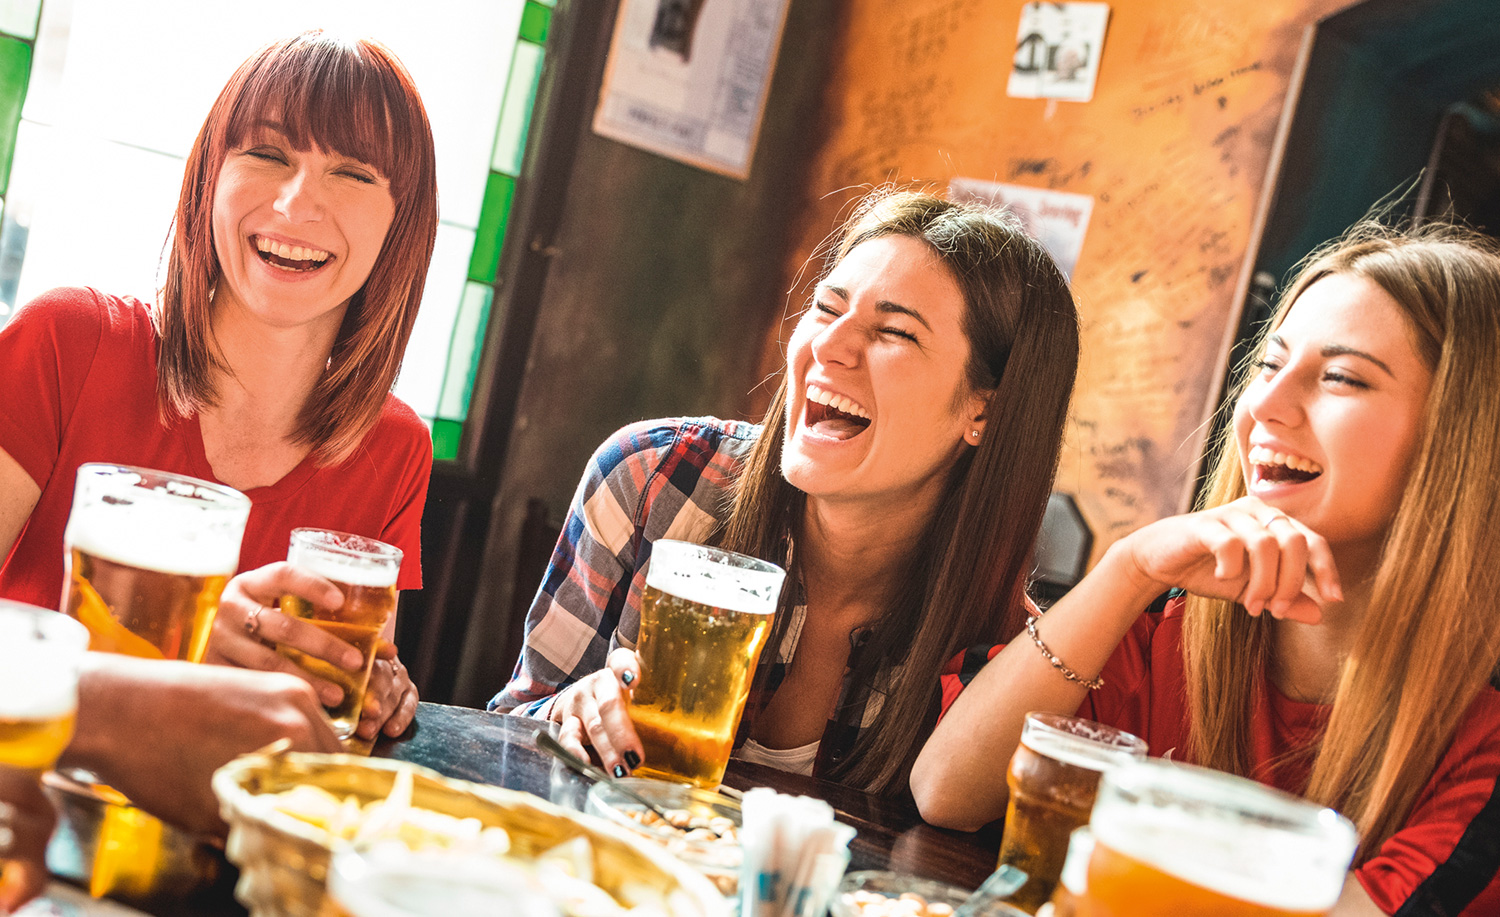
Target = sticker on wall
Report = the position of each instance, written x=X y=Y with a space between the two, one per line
x=1057 y=51
x=1057 y=219
x=687 y=79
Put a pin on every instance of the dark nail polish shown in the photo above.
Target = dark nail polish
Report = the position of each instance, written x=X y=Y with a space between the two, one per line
x=632 y=759
x=619 y=770
x=627 y=677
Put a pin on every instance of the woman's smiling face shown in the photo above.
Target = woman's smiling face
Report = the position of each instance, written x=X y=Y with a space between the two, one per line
x=1329 y=426
x=878 y=401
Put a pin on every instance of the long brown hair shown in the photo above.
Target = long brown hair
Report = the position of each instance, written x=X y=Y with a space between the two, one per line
x=966 y=582
x=1429 y=641
x=351 y=97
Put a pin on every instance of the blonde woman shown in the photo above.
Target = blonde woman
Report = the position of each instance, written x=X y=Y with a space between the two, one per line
x=1339 y=635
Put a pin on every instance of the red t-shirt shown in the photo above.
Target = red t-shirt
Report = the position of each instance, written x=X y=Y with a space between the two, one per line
x=1444 y=860
x=78 y=384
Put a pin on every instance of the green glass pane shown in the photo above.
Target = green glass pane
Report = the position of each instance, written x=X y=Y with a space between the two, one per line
x=463 y=350
x=18 y=17
x=515 y=109
x=498 y=192
x=15 y=67
x=534 y=22
x=445 y=438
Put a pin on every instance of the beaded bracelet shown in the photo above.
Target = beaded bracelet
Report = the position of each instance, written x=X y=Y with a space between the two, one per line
x=1093 y=684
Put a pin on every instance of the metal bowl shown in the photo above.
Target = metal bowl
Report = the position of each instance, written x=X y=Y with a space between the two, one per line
x=895 y=884
x=284 y=862
x=719 y=860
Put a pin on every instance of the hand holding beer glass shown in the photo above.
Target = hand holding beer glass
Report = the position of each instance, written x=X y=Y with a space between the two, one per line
x=1191 y=842
x=1053 y=777
x=148 y=554
x=364 y=570
x=705 y=616
x=40 y=654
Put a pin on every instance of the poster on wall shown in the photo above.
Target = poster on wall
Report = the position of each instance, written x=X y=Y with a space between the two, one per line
x=1057 y=219
x=687 y=79
x=1057 y=51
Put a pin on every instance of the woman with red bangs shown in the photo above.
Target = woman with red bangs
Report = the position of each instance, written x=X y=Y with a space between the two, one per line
x=300 y=248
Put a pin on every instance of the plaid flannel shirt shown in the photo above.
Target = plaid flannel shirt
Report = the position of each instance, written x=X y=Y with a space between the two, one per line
x=655 y=479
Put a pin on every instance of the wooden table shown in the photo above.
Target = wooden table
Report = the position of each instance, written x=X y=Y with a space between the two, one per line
x=470 y=744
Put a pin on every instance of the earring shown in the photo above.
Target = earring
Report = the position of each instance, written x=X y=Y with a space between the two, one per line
x=975 y=434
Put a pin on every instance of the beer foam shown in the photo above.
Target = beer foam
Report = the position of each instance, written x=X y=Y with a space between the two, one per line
x=1236 y=858
x=350 y=570
x=37 y=685
x=690 y=575
x=1076 y=750
x=158 y=534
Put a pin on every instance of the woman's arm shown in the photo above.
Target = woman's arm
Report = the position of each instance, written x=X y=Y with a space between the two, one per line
x=1244 y=551
x=18 y=496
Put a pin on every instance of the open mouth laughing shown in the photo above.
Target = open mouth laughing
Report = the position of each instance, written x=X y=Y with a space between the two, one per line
x=290 y=257
x=1279 y=468
x=834 y=415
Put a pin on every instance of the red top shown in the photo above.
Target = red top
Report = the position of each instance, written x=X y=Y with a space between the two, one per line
x=1444 y=860
x=78 y=384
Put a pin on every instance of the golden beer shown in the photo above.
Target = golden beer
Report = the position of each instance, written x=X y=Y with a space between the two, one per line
x=148 y=555
x=40 y=652
x=364 y=570
x=1181 y=840
x=1053 y=777
x=705 y=616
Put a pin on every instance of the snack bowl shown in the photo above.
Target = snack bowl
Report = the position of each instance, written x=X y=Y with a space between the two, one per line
x=708 y=839
x=857 y=896
x=284 y=860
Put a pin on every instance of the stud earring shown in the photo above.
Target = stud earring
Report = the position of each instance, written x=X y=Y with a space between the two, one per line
x=975 y=434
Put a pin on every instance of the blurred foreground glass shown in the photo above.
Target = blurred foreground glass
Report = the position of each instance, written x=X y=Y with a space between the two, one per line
x=365 y=571
x=148 y=554
x=1053 y=777
x=1191 y=842
x=386 y=879
x=40 y=654
x=705 y=615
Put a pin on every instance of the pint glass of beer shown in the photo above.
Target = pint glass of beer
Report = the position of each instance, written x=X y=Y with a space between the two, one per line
x=365 y=571
x=705 y=615
x=40 y=652
x=1053 y=777
x=148 y=554
x=1191 y=842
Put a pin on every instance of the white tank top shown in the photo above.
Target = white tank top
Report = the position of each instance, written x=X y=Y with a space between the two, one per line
x=797 y=760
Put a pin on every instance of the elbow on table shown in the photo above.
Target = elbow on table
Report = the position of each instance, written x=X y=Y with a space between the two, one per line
x=945 y=804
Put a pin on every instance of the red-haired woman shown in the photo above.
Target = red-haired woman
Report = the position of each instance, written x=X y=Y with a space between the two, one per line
x=301 y=244
x=1339 y=638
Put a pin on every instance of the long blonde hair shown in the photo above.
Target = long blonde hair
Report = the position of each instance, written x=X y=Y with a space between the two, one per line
x=1429 y=642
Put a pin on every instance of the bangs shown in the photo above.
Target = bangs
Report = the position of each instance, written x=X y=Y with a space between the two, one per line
x=332 y=94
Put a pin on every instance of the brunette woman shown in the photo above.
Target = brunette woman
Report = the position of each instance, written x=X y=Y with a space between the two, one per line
x=299 y=252
x=1338 y=638
x=900 y=476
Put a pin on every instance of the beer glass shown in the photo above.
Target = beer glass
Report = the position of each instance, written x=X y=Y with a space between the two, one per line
x=705 y=615
x=40 y=652
x=1191 y=842
x=148 y=554
x=1053 y=777
x=365 y=571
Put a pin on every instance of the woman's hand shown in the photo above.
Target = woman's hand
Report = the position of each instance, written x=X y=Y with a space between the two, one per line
x=250 y=626
x=1246 y=551
x=391 y=701
x=26 y=822
x=594 y=711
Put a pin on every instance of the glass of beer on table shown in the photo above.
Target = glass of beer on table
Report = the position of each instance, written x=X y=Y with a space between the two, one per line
x=364 y=570
x=1053 y=777
x=1191 y=842
x=40 y=653
x=148 y=554
x=705 y=615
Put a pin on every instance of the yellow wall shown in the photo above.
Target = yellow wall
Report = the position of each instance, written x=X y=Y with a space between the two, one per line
x=1175 y=149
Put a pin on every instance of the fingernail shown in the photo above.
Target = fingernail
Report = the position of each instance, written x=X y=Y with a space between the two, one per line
x=627 y=676
x=632 y=759
x=353 y=661
x=619 y=770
